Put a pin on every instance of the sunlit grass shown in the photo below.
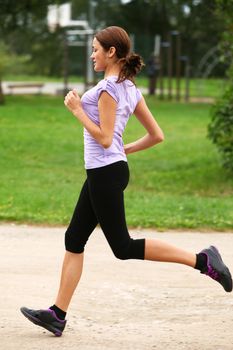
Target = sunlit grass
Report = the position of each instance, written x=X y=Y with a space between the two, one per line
x=178 y=184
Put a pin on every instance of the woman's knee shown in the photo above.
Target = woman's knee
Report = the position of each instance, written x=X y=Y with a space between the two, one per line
x=72 y=243
x=133 y=249
x=121 y=254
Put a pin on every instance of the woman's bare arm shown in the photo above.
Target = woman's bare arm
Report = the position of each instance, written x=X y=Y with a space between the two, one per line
x=154 y=133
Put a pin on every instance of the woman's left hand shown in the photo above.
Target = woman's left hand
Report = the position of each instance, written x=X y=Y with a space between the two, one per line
x=73 y=102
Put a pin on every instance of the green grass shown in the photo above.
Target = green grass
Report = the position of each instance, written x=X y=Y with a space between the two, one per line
x=178 y=184
x=197 y=87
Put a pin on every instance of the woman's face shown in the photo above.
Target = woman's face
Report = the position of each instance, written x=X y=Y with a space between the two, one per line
x=99 y=56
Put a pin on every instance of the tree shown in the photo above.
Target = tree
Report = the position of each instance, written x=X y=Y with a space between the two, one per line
x=16 y=14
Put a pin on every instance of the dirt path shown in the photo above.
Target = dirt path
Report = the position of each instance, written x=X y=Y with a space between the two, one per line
x=118 y=305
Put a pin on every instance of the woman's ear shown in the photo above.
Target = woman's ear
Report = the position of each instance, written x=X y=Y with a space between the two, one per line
x=111 y=51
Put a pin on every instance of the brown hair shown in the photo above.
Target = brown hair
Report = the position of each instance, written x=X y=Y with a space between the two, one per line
x=117 y=37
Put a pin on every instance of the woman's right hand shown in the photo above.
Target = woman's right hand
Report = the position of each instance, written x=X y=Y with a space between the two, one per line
x=73 y=102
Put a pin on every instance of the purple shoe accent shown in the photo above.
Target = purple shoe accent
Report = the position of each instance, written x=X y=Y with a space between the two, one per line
x=210 y=271
x=53 y=313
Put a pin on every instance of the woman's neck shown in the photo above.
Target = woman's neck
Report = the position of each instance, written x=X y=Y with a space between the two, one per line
x=114 y=70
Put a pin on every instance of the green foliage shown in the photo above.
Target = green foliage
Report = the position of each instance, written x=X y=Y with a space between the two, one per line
x=221 y=128
x=42 y=50
x=16 y=14
x=46 y=56
x=3 y=58
x=9 y=62
x=25 y=32
x=225 y=12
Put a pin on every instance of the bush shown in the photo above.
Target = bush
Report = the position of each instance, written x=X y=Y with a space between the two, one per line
x=220 y=129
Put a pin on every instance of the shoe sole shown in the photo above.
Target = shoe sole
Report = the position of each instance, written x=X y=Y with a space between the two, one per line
x=37 y=322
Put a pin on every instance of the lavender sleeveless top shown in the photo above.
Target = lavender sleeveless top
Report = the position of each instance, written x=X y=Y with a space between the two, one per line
x=127 y=96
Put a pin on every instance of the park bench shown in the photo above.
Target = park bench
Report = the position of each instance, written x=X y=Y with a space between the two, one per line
x=34 y=87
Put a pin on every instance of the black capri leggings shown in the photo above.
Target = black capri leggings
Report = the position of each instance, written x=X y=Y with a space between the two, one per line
x=102 y=201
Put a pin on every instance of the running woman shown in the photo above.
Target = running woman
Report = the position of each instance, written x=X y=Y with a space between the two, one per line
x=104 y=111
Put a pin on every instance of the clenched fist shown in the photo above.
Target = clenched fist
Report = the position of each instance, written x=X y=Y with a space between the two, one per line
x=72 y=101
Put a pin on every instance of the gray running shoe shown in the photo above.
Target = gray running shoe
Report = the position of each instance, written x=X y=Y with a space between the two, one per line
x=46 y=319
x=216 y=269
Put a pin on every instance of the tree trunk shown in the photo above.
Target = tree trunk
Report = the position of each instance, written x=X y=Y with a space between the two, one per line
x=2 y=99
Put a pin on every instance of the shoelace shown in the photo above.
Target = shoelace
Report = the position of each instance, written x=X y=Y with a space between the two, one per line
x=212 y=273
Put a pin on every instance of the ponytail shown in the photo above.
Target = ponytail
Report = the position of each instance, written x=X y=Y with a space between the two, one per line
x=131 y=66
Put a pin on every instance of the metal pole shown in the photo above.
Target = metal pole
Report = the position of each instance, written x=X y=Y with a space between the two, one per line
x=161 y=73
x=132 y=41
x=89 y=67
x=157 y=45
x=187 y=71
x=65 y=63
x=170 y=66
x=91 y=14
x=164 y=46
x=178 y=50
